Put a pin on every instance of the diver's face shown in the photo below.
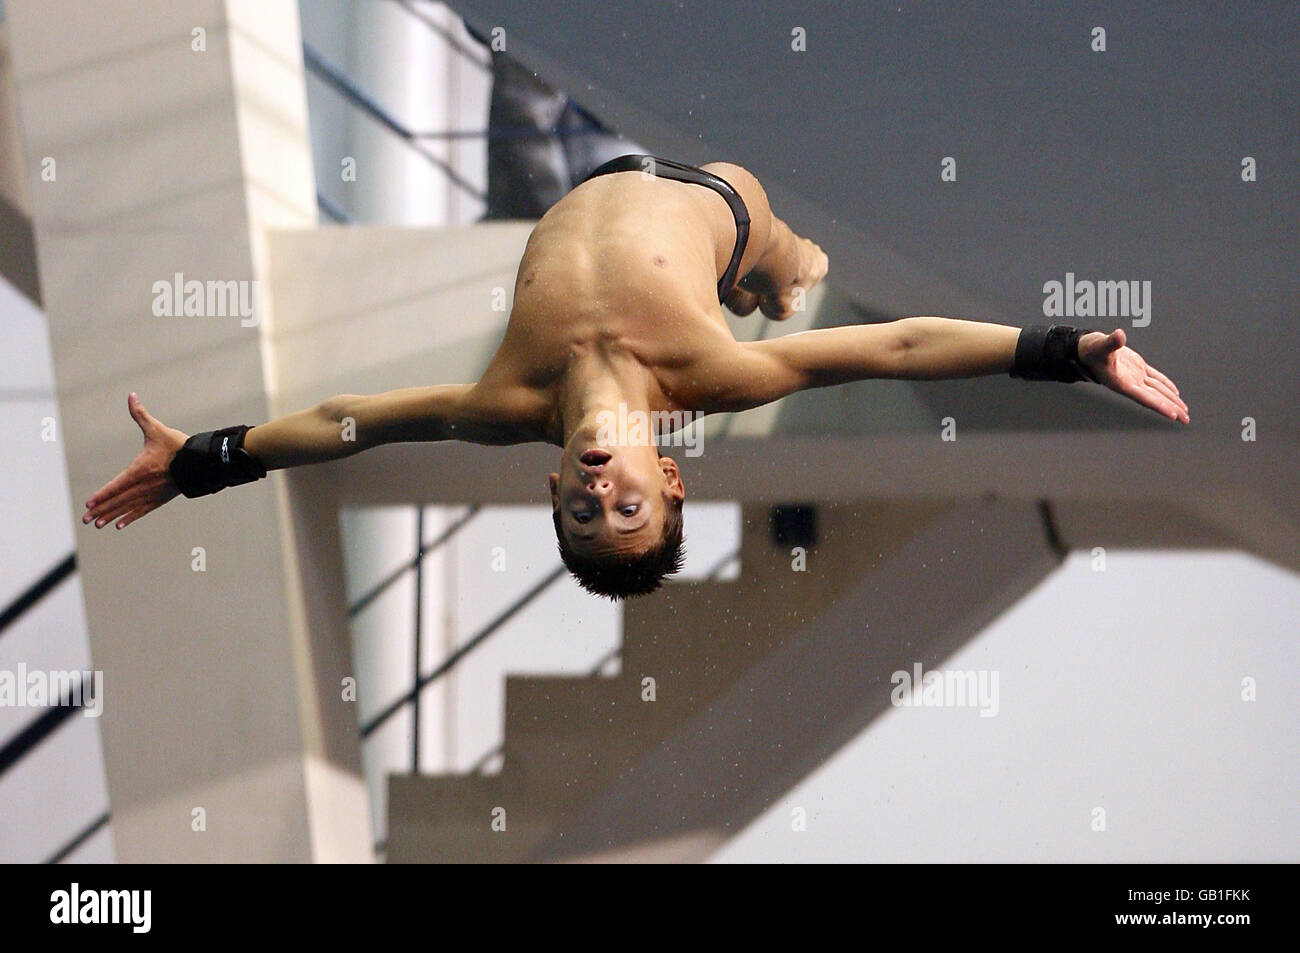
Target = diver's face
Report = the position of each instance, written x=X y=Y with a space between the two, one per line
x=613 y=499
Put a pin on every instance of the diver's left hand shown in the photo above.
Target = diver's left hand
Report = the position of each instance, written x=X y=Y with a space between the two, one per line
x=1110 y=363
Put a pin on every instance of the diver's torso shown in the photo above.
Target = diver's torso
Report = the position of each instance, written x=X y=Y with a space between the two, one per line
x=626 y=264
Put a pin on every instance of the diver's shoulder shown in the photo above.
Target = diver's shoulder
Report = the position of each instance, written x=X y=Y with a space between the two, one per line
x=503 y=410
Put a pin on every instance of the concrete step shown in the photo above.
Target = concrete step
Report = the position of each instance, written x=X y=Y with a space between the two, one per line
x=456 y=819
x=567 y=737
x=732 y=624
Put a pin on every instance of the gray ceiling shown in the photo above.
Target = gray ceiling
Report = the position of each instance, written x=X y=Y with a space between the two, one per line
x=1115 y=166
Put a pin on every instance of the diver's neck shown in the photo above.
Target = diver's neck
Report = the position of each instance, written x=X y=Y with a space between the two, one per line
x=597 y=385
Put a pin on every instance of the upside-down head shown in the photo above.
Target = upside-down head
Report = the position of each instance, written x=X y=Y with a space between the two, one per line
x=618 y=518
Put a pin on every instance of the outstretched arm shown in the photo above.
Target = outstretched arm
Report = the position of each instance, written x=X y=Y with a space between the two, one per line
x=923 y=348
x=337 y=427
x=349 y=423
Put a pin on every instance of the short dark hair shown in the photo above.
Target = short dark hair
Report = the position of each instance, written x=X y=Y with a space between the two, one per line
x=621 y=576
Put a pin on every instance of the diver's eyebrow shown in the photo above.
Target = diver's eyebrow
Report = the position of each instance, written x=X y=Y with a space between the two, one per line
x=576 y=535
x=632 y=529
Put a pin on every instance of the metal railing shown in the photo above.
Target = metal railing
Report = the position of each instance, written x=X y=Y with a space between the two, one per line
x=41 y=727
x=332 y=208
x=422 y=681
x=453 y=42
x=337 y=80
x=422 y=550
x=38 y=590
x=45 y=724
x=85 y=834
x=54 y=716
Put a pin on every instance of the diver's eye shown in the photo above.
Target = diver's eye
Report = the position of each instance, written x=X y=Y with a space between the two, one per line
x=582 y=516
x=629 y=510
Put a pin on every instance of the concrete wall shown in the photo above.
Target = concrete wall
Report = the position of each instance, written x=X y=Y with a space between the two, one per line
x=179 y=134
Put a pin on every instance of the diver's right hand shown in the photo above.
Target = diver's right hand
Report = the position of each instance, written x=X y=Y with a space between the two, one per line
x=146 y=483
x=813 y=264
x=781 y=299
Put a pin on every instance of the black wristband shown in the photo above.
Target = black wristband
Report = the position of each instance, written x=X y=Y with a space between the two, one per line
x=214 y=460
x=1049 y=353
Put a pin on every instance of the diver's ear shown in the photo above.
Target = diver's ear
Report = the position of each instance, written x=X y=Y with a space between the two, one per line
x=672 y=478
x=554 y=481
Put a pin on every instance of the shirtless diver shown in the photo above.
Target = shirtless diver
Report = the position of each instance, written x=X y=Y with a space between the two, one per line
x=616 y=309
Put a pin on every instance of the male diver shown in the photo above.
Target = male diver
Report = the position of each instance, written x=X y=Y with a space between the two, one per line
x=616 y=309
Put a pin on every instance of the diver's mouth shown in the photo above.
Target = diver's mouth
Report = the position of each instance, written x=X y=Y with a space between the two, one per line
x=595 y=458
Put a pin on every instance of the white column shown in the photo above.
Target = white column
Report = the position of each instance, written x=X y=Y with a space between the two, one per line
x=177 y=134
